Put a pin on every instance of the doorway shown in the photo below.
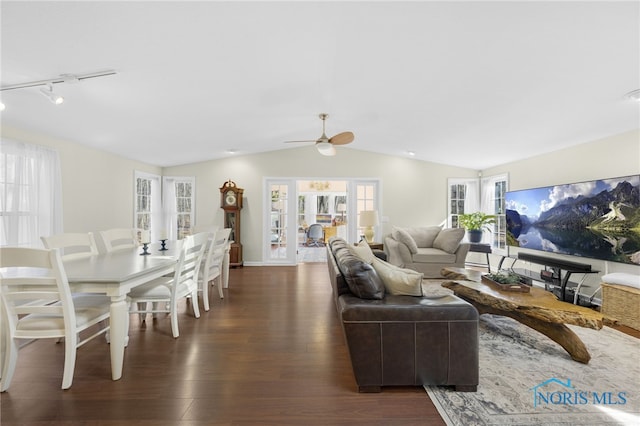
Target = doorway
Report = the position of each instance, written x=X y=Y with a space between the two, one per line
x=292 y=206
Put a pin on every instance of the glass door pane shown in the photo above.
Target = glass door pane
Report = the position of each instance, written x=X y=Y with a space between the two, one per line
x=278 y=221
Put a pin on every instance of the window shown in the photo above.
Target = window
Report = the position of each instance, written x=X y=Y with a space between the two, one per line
x=279 y=220
x=147 y=212
x=179 y=206
x=30 y=194
x=493 y=192
x=464 y=197
x=366 y=199
x=456 y=203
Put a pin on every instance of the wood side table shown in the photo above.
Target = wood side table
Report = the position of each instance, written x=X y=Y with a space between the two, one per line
x=376 y=246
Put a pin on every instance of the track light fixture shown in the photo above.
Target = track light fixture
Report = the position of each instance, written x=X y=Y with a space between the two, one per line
x=48 y=90
x=53 y=97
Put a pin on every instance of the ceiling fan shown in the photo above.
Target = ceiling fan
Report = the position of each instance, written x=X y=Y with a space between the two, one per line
x=325 y=145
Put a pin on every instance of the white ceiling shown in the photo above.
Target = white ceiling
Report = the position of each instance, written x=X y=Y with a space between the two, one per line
x=472 y=84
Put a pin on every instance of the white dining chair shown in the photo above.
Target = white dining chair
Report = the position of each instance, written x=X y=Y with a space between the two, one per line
x=38 y=304
x=72 y=245
x=154 y=296
x=205 y=228
x=212 y=268
x=75 y=246
x=119 y=239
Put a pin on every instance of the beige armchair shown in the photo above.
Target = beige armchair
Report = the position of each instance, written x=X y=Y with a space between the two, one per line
x=426 y=249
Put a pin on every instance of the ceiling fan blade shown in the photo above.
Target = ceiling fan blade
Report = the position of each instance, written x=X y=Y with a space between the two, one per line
x=299 y=141
x=342 y=138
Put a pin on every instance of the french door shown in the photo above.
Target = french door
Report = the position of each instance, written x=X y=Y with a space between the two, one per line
x=289 y=207
x=280 y=230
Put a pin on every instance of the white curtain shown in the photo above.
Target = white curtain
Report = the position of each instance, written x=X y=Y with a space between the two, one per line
x=170 y=219
x=471 y=196
x=486 y=205
x=31 y=194
x=156 y=208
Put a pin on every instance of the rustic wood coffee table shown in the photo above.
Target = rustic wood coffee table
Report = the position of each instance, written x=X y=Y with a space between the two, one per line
x=538 y=309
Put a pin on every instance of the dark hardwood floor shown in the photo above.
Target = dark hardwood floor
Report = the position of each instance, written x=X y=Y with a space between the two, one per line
x=271 y=352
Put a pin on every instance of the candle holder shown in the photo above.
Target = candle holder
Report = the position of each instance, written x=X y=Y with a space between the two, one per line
x=145 y=249
x=163 y=245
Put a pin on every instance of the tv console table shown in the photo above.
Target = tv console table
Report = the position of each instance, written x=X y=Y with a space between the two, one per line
x=554 y=278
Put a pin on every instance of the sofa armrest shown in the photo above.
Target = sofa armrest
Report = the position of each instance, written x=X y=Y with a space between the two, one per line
x=461 y=253
x=398 y=253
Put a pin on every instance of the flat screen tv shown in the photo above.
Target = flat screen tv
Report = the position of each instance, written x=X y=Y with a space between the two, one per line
x=598 y=219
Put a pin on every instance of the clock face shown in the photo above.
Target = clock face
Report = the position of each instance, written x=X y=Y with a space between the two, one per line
x=230 y=199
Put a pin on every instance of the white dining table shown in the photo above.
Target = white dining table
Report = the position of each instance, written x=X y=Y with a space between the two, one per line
x=115 y=274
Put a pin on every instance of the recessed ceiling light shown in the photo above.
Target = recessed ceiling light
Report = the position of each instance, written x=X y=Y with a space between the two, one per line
x=232 y=151
x=411 y=153
x=634 y=95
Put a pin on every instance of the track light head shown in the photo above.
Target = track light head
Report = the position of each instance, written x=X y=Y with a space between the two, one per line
x=53 y=97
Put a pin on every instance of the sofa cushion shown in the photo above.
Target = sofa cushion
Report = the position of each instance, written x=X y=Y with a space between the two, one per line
x=398 y=281
x=404 y=237
x=424 y=235
x=449 y=239
x=433 y=255
x=362 y=279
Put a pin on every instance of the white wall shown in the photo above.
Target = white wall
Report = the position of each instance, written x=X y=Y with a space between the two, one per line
x=97 y=187
x=413 y=192
x=613 y=156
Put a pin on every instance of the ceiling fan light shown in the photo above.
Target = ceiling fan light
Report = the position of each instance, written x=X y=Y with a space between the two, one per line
x=325 y=148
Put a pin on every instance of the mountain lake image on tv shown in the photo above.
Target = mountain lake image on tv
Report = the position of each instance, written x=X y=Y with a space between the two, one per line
x=598 y=219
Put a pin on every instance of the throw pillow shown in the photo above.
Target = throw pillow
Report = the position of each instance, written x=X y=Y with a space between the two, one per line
x=363 y=251
x=449 y=239
x=361 y=278
x=403 y=236
x=398 y=281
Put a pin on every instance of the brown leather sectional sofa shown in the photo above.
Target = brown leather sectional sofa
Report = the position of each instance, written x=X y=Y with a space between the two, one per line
x=397 y=340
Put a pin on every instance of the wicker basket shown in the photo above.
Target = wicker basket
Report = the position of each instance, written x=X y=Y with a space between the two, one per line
x=622 y=303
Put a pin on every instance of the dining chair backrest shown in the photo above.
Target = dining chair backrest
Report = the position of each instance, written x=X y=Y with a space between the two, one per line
x=38 y=303
x=205 y=228
x=189 y=261
x=35 y=287
x=212 y=264
x=119 y=239
x=215 y=254
x=72 y=245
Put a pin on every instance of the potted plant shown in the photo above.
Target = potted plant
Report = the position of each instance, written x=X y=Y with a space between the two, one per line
x=474 y=223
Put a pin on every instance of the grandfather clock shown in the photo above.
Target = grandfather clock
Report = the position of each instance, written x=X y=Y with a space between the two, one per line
x=231 y=203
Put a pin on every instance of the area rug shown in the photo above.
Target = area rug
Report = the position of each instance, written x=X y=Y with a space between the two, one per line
x=527 y=379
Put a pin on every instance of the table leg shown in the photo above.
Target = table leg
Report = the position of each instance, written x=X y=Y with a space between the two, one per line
x=559 y=333
x=118 y=334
